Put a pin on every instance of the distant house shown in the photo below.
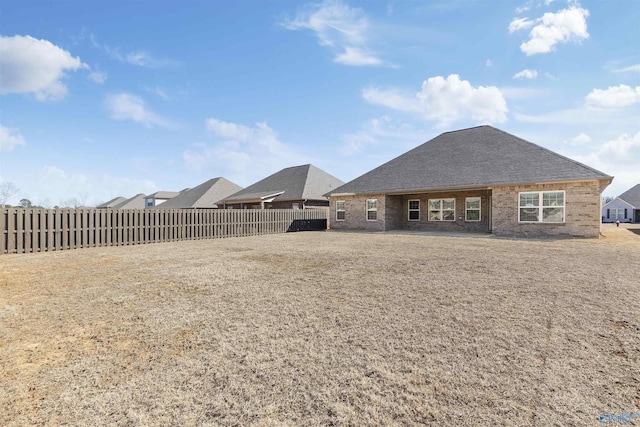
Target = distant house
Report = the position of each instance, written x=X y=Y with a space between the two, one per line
x=111 y=203
x=159 y=197
x=205 y=195
x=624 y=208
x=297 y=187
x=136 y=202
x=475 y=180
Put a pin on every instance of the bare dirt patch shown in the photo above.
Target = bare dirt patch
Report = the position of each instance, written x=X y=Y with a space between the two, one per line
x=323 y=329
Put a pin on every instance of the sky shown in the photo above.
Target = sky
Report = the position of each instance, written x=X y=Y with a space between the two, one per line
x=102 y=99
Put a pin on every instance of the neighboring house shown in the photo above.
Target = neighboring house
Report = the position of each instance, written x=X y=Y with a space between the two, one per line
x=111 y=203
x=205 y=195
x=297 y=187
x=624 y=208
x=159 y=197
x=136 y=202
x=480 y=179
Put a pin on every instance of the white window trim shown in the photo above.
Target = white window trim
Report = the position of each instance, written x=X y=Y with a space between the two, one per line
x=409 y=210
x=367 y=210
x=474 y=209
x=617 y=213
x=541 y=207
x=341 y=210
x=442 y=210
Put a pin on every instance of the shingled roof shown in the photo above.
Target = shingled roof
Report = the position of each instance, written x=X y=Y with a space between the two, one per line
x=632 y=196
x=470 y=158
x=136 y=202
x=204 y=195
x=111 y=203
x=163 y=195
x=293 y=183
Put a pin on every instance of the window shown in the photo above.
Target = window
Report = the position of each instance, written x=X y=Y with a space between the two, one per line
x=541 y=206
x=472 y=209
x=414 y=210
x=295 y=206
x=340 y=211
x=442 y=209
x=618 y=213
x=149 y=203
x=372 y=209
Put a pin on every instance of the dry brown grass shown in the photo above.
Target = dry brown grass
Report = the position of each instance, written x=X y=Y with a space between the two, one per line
x=323 y=329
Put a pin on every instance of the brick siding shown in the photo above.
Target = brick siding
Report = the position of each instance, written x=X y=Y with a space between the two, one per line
x=582 y=210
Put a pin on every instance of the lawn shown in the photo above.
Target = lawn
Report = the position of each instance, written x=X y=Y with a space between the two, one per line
x=323 y=328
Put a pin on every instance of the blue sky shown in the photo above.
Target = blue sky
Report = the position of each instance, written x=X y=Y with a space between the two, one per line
x=102 y=99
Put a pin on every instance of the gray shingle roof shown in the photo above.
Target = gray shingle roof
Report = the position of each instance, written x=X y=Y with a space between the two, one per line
x=136 y=202
x=111 y=203
x=204 y=195
x=632 y=196
x=469 y=158
x=295 y=183
x=163 y=195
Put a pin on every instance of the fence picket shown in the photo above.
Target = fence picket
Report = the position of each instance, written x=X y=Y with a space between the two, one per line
x=41 y=230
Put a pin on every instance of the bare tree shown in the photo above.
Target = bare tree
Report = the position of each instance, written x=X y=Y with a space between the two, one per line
x=7 y=190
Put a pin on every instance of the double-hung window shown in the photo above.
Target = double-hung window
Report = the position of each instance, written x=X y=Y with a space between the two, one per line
x=340 y=210
x=472 y=209
x=442 y=209
x=372 y=209
x=414 y=210
x=618 y=213
x=541 y=206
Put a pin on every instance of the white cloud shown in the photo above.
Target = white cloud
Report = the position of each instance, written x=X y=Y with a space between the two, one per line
x=526 y=74
x=631 y=68
x=125 y=106
x=581 y=139
x=340 y=27
x=29 y=65
x=488 y=63
x=553 y=28
x=98 y=77
x=59 y=186
x=381 y=130
x=518 y=24
x=10 y=139
x=623 y=150
x=138 y=58
x=356 y=57
x=392 y=98
x=159 y=92
x=619 y=157
x=446 y=101
x=615 y=96
x=451 y=99
x=242 y=153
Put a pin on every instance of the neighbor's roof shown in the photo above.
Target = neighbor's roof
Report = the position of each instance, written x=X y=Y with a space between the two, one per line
x=204 y=195
x=111 y=203
x=136 y=202
x=470 y=158
x=632 y=196
x=163 y=195
x=294 y=183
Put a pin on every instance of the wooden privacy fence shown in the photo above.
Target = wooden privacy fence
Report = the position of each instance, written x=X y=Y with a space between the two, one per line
x=39 y=230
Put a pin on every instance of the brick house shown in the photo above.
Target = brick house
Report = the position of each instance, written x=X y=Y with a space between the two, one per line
x=480 y=179
x=297 y=187
x=624 y=208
